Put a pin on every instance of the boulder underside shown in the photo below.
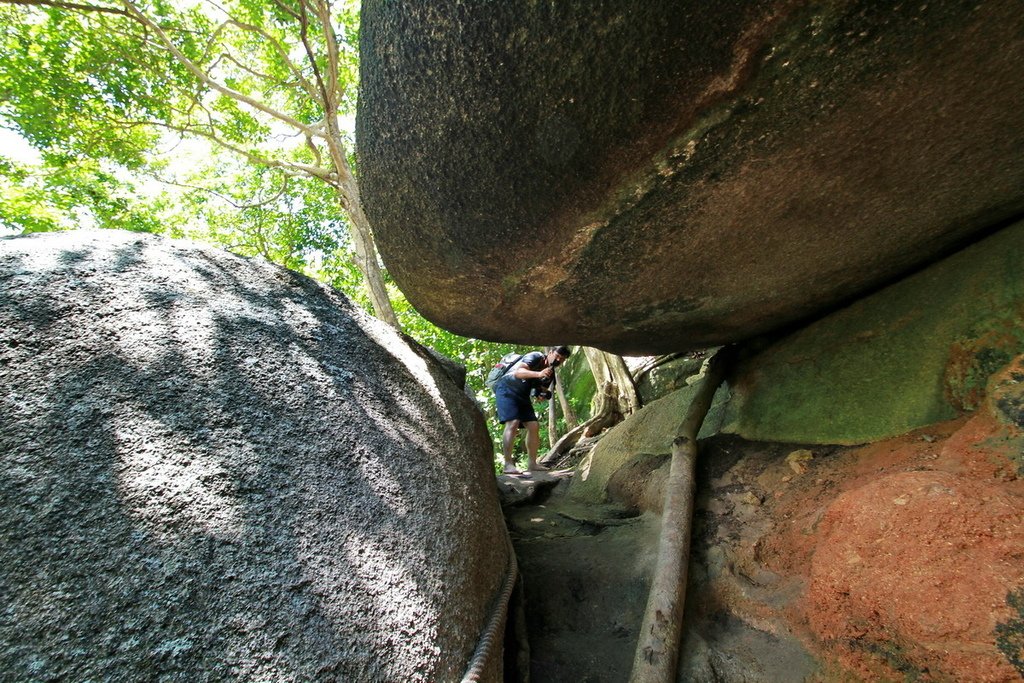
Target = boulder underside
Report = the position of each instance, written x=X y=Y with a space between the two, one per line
x=656 y=177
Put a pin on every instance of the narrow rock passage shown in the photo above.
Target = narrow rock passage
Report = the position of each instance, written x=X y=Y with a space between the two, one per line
x=586 y=575
x=932 y=519
x=586 y=571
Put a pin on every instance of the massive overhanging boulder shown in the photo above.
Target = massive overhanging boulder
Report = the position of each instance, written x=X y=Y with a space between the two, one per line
x=657 y=176
x=215 y=469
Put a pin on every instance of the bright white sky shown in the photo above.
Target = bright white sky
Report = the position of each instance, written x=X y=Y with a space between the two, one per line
x=13 y=146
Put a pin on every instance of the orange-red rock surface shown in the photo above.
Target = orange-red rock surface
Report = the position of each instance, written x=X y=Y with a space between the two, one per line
x=909 y=548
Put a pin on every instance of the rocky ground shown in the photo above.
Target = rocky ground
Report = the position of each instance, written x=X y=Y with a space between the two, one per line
x=900 y=560
x=585 y=572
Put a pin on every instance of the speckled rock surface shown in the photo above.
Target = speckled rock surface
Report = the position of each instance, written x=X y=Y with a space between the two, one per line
x=214 y=469
x=649 y=177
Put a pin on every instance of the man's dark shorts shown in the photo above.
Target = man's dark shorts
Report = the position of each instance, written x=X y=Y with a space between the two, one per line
x=511 y=406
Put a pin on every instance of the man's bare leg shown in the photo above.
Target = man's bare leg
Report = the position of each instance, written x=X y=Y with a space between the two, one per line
x=532 y=445
x=507 y=441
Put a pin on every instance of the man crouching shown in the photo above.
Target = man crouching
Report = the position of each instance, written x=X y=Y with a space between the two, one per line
x=533 y=374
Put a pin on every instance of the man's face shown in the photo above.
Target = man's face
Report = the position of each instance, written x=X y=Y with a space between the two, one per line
x=554 y=360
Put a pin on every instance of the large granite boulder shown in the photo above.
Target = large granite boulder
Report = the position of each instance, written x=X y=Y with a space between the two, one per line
x=657 y=176
x=215 y=469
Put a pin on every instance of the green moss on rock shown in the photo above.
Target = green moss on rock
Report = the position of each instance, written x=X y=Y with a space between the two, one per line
x=912 y=354
x=667 y=378
x=1005 y=399
x=649 y=431
x=1010 y=633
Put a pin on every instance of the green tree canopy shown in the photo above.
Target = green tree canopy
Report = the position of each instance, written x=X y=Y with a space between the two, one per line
x=104 y=89
x=271 y=82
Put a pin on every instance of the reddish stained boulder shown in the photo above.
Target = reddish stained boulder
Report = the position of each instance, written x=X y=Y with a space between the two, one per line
x=916 y=567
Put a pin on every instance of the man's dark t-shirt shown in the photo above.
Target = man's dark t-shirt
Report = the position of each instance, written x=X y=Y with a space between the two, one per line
x=512 y=395
x=522 y=387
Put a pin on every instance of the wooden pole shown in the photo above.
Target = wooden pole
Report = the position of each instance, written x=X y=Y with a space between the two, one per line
x=657 y=650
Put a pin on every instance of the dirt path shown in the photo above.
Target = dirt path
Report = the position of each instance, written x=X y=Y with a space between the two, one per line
x=586 y=573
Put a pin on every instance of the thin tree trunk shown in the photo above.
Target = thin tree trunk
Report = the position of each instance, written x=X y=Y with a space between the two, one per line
x=362 y=240
x=657 y=650
x=630 y=397
x=552 y=422
x=616 y=396
x=607 y=410
x=567 y=412
x=362 y=235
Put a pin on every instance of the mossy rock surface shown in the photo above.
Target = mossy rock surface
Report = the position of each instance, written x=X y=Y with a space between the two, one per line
x=668 y=377
x=912 y=354
x=649 y=432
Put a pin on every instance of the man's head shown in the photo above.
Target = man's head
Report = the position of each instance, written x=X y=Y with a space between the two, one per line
x=556 y=355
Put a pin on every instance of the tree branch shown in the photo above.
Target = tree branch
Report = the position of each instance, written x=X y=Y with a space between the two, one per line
x=220 y=195
x=324 y=98
x=282 y=55
x=287 y=10
x=291 y=167
x=333 y=84
x=199 y=73
x=68 y=6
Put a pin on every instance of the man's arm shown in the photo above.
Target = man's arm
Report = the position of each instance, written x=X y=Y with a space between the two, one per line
x=522 y=371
